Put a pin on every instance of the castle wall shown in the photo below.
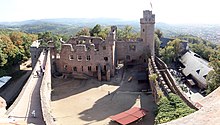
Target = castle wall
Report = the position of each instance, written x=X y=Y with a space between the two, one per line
x=130 y=51
x=87 y=55
x=45 y=92
x=82 y=58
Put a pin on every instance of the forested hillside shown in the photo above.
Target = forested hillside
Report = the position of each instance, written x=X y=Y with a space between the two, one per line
x=14 y=48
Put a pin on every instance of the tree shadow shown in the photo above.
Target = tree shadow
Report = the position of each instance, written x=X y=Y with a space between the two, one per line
x=122 y=99
x=63 y=88
x=109 y=105
x=118 y=101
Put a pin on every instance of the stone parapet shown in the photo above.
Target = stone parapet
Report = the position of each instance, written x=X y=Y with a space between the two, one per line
x=45 y=92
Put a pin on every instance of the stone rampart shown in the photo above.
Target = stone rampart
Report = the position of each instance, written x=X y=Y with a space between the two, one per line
x=45 y=92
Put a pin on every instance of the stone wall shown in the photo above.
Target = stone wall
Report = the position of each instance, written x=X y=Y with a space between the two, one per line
x=171 y=82
x=160 y=86
x=160 y=78
x=154 y=87
x=45 y=92
x=85 y=56
x=22 y=91
x=130 y=51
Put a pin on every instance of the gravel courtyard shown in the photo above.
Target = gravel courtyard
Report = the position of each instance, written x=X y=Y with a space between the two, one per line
x=88 y=102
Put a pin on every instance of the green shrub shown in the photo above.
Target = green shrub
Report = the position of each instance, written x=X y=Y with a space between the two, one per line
x=171 y=108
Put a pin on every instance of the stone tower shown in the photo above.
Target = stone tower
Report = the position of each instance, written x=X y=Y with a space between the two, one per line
x=147 y=31
x=35 y=50
x=111 y=38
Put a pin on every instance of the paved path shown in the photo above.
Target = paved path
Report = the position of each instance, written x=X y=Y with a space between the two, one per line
x=28 y=108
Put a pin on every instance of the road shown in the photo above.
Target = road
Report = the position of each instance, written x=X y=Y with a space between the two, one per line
x=27 y=107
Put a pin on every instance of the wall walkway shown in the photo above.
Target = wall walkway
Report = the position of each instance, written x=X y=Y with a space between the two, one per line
x=27 y=106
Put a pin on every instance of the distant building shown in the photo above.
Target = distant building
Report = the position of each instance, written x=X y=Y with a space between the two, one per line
x=196 y=68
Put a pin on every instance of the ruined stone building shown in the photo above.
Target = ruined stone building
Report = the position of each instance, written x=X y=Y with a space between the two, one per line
x=93 y=56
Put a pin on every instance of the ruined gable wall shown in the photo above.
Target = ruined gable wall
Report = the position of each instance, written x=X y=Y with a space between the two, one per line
x=124 y=49
x=96 y=57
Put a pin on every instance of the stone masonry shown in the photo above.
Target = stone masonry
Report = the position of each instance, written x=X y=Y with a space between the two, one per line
x=93 y=56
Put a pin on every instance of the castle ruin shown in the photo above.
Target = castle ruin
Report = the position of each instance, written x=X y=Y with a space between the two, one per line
x=93 y=56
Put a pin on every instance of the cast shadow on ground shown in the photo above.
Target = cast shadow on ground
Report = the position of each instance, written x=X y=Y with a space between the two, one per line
x=118 y=101
x=69 y=87
x=109 y=105
x=112 y=105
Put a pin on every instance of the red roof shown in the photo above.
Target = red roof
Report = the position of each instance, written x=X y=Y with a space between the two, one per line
x=129 y=116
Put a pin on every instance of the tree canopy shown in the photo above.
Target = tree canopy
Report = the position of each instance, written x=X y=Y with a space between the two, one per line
x=213 y=78
x=171 y=52
x=95 y=30
x=171 y=108
x=125 y=33
x=14 y=47
x=83 y=31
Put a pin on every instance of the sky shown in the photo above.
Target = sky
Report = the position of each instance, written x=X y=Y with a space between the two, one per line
x=167 y=11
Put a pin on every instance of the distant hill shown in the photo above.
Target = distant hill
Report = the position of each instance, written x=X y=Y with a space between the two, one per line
x=69 y=26
x=209 y=32
x=76 y=21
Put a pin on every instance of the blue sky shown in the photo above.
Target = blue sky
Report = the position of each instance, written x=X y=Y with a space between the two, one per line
x=168 y=11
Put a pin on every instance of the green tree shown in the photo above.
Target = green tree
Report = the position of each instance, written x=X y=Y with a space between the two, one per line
x=45 y=38
x=167 y=54
x=157 y=44
x=104 y=33
x=127 y=33
x=171 y=52
x=171 y=108
x=3 y=56
x=57 y=43
x=95 y=30
x=84 y=32
x=203 y=50
x=213 y=78
x=176 y=48
x=200 y=46
x=159 y=33
x=14 y=47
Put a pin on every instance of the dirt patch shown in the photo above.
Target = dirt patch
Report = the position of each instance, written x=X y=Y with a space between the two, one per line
x=84 y=102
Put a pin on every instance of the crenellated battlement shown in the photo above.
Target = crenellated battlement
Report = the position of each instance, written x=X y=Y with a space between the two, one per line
x=148 y=17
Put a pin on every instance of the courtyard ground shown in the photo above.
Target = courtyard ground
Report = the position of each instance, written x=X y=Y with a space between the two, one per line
x=85 y=102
